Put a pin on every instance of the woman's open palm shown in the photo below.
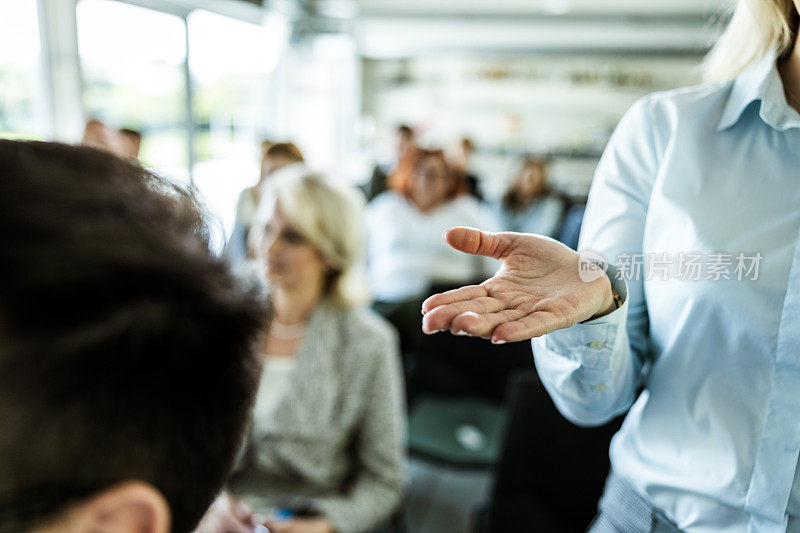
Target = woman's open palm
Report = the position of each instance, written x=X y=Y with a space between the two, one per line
x=538 y=289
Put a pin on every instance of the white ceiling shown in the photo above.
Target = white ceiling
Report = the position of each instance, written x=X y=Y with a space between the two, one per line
x=403 y=28
x=532 y=7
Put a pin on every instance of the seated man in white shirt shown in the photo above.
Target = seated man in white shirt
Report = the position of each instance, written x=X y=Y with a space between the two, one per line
x=405 y=252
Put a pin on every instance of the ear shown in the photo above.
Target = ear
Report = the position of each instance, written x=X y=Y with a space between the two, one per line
x=129 y=507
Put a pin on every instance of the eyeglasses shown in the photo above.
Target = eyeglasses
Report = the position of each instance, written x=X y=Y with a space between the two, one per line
x=431 y=174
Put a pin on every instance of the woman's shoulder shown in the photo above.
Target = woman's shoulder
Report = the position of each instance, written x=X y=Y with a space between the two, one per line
x=691 y=94
x=386 y=199
x=676 y=107
x=388 y=205
x=464 y=204
x=653 y=121
x=554 y=201
x=365 y=323
x=466 y=210
x=366 y=333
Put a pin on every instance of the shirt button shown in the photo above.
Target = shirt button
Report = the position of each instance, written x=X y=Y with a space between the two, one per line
x=597 y=345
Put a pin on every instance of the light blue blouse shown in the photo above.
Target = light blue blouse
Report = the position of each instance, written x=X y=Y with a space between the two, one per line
x=696 y=202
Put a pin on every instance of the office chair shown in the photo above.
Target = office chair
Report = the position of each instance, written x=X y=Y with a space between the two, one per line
x=550 y=473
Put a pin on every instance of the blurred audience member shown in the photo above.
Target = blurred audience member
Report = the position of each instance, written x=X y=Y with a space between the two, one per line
x=529 y=206
x=404 y=145
x=124 y=142
x=277 y=156
x=405 y=252
x=571 y=228
x=266 y=144
x=276 y=159
x=97 y=135
x=129 y=143
x=326 y=450
x=127 y=353
x=459 y=158
x=404 y=140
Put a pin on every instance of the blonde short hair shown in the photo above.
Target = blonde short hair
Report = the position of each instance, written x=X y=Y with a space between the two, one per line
x=757 y=28
x=331 y=218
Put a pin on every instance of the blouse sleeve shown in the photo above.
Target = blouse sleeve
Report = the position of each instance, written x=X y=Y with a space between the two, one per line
x=379 y=481
x=593 y=369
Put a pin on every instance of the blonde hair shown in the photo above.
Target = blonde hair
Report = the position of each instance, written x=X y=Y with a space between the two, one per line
x=757 y=28
x=331 y=218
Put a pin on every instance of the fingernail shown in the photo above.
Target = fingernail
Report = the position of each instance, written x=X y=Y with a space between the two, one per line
x=498 y=341
x=460 y=333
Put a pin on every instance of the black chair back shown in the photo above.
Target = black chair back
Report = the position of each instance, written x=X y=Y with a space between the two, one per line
x=551 y=473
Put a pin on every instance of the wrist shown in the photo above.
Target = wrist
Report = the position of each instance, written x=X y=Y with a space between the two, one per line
x=611 y=301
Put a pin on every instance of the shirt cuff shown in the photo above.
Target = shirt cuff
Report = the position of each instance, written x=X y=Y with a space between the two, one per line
x=582 y=366
x=619 y=285
x=591 y=343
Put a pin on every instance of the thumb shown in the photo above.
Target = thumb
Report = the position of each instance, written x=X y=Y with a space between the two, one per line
x=477 y=242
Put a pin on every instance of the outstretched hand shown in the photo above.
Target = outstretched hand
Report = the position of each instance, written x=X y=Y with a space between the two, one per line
x=538 y=289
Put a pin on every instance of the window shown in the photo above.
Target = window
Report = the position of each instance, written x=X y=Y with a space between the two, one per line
x=231 y=88
x=20 y=71
x=133 y=65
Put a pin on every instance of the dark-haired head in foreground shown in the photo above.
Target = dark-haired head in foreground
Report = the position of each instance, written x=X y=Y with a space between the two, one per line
x=126 y=363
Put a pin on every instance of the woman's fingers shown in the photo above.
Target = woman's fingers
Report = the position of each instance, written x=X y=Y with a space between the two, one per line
x=440 y=318
x=470 y=292
x=275 y=526
x=477 y=242
x=527 y=327
x=226 y=515
x=477 y=325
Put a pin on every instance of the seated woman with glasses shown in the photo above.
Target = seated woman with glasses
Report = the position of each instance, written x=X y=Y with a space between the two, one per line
x=529 y=205
x=326 y=448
